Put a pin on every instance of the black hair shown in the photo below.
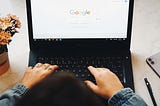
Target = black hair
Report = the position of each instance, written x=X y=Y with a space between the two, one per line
x=60 y=89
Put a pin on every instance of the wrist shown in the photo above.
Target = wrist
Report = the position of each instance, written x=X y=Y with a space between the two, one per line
x=25 y=83
x=20 y=88
x=113 y=93
x=120 y=95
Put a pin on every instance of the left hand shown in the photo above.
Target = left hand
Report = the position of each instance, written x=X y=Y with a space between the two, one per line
x=35 y=74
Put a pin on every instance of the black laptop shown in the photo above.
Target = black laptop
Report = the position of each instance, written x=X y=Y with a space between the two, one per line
x=81 y=33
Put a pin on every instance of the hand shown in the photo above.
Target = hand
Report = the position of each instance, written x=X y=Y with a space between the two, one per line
x=35 y=74
x=108 y=83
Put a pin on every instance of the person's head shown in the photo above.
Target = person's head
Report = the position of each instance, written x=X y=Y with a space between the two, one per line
x=60 y=89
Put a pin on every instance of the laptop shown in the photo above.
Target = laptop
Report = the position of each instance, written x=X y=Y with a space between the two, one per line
x=75 y=34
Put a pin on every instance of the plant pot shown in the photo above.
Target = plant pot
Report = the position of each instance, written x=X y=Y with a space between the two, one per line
x=4 y=61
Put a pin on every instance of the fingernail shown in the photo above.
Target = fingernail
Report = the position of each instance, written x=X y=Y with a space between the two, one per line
x=55 y=66
x=50 y=69
x=90 y=67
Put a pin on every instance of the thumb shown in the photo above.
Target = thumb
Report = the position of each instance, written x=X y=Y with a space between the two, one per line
x=92 y=86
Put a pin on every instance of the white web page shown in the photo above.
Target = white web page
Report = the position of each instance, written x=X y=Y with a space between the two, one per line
x=79 y=18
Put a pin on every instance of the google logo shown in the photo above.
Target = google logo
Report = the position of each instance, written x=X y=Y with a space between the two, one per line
x=79 y=12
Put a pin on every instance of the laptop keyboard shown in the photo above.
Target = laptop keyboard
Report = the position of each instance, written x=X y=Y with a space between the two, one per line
x=78 y=65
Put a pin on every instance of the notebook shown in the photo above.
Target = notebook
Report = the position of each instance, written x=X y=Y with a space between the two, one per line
x=75 y=34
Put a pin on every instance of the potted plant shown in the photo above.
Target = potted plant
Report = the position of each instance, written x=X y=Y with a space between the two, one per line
x=9 y=25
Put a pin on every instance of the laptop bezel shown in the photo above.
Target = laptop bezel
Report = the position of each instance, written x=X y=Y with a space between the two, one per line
x=88 y=43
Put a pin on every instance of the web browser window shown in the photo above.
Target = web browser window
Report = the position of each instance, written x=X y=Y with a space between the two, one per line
x=68 y=19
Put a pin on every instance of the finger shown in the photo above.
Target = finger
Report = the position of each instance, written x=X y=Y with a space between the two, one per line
x=50 y=69
x=38 y=65
x=45 y=66
x=106 y=69
x=93 y=70
x=100 y=69
x=92 y=86
x=29 y=68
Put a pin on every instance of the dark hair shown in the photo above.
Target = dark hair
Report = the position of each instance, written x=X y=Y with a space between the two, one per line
x=60 y=89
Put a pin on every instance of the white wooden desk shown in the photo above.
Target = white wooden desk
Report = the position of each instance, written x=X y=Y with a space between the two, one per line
x=145 y=42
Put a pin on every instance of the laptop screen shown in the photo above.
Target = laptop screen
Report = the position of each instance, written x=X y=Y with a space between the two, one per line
x=80 y=19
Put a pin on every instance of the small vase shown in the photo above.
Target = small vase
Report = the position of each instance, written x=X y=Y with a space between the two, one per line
x=4 y=61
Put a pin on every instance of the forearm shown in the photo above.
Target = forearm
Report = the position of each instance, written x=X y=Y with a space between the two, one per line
x=10 y=97
x=126 y=97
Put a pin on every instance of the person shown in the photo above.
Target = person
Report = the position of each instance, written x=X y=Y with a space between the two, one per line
x=40 y=86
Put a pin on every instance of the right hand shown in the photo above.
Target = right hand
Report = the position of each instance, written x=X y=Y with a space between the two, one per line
x=107 y=83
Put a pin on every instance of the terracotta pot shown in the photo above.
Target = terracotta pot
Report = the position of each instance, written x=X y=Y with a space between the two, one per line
x=4 y=62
